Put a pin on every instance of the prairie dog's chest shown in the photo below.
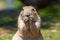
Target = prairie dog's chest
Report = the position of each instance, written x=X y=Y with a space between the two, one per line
x=31 y=30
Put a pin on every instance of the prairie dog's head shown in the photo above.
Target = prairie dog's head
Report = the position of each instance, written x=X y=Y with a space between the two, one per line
x=28 y=13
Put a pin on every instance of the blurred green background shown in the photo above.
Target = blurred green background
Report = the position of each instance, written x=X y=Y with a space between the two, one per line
x=10 y=9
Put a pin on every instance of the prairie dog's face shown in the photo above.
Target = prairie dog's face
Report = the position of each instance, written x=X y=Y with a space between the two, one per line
x=28 y=13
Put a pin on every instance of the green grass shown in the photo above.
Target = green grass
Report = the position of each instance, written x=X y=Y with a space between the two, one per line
x=50 y=35
x=4 y=35
x=47 y=34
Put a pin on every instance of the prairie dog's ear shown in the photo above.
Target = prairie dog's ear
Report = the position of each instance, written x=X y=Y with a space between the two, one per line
x=21 y=12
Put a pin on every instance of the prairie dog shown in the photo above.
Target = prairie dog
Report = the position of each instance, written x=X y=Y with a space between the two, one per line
x=28 y=25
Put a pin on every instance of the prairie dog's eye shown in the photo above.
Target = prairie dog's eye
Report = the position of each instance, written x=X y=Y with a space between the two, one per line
x=32 y=10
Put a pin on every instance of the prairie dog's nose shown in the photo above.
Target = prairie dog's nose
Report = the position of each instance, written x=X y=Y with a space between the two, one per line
x=27 y=15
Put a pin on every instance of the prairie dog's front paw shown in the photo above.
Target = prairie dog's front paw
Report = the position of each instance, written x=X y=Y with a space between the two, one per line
x=25 y=19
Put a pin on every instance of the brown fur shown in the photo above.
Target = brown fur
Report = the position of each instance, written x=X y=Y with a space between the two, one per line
x=28 y=25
